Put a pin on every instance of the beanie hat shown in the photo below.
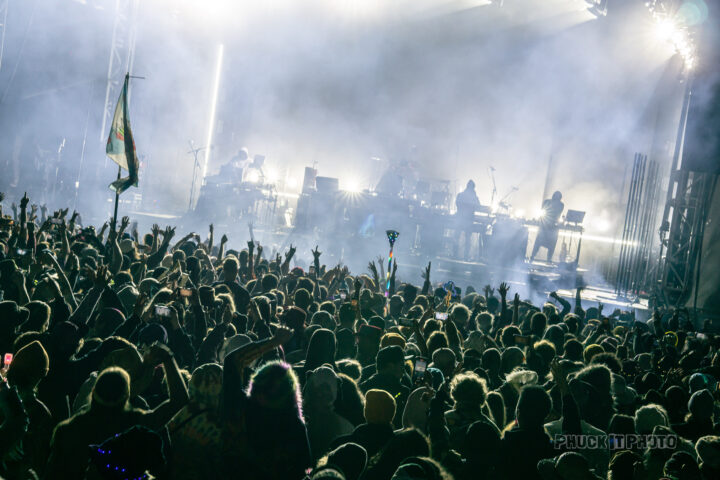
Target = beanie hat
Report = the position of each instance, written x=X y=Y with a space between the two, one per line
x=351 y=458
x=370 y=332
x=701 y=404
x=388 y=356
x=392 y=339
x=149 y=286
x=700 y=381
x=708 y=450
x=592 y=350
x=126 y=245
x=327 y=473
x=321 y=386
x=30 y=364
x=112 y=388
x=205 y=386
x=648 y=417
x=379 y=407
x=644 y=361
x=622 y=394
x=417 y=468
x=128 y=295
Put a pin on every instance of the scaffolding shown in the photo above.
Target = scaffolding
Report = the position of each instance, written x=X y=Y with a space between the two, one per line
x=122 y=55
x=3 y=23
x=683 y=223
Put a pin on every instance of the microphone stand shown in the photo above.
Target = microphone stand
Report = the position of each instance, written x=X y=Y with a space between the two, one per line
x=494 y=190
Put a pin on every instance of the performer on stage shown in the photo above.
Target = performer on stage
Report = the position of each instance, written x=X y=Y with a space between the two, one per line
x=467 y=203
x=232 y=171
x=548 y=234
x=391 y=183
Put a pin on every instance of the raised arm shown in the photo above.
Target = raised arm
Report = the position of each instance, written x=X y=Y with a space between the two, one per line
x=426 y=278
x=178 y=394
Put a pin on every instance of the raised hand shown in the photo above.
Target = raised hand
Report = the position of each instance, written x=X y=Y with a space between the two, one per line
x=155 y=229
x=168 y=234
x=425 y=274
x=124 y=223
x=251 y=246
x=373 y=269
x=289 y=254
x=516 y=300
x=316 y=253
x=503 y=289
x=559 y=377
x=212 y=228
x=24 y=201
x=223 y=239
x=394 y=269
x=357 y=284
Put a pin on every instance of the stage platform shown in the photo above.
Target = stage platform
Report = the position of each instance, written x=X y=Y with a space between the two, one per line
x=532 y=280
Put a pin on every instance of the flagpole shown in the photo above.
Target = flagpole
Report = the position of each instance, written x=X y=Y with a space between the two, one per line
x=117 y=197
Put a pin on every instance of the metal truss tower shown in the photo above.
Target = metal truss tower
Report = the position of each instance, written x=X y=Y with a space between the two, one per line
x=683 y=223
x=3 y=25
x=122 y=54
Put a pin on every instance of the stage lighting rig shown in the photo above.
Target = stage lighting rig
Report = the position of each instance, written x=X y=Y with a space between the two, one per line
x=673 y=28
x=599 y=8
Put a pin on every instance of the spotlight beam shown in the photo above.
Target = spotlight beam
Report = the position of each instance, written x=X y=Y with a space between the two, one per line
x=213 y=108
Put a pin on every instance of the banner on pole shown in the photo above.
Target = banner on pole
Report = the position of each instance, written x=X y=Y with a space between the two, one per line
x=121 y=146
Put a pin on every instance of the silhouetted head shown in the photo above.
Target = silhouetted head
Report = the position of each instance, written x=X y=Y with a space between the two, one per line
x=470 y=185
x=557 y=196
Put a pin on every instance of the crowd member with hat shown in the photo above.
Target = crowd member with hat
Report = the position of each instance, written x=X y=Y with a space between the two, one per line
x=380 y=410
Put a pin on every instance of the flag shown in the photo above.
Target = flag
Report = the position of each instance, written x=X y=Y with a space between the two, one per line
x=121 y=146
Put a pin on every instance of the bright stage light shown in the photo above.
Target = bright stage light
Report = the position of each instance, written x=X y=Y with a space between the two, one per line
x=253 y=176
x=352 y=186
x=675 y=32
x=291 y=182
x=539 y=213
x=213 y=108
x=666 y=29
x=601 y=225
